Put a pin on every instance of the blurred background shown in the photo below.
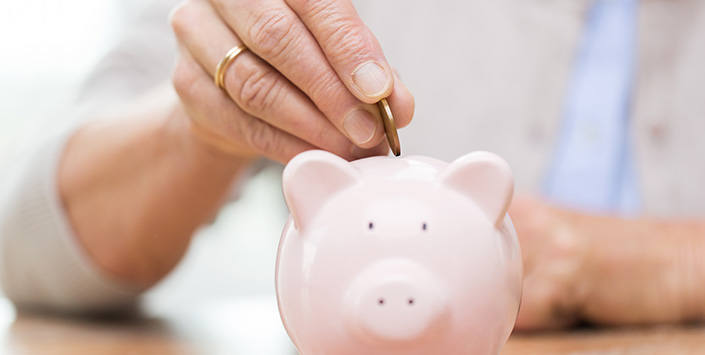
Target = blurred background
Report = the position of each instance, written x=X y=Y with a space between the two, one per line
x=47 y=48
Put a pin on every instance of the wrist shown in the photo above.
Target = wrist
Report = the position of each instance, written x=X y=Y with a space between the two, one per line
x=196 y=148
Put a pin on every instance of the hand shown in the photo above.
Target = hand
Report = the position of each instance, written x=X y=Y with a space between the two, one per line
x=553 y=253
x=310 y=79
x=607 y=270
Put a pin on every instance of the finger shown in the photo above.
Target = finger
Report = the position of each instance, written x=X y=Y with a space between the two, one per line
x=254 y=85
x=349 y=45
x=276 y=34
x=355 y=54
x=221 y=123
x=402 y=103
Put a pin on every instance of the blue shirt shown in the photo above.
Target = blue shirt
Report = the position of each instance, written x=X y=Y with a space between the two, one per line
x=593 y=165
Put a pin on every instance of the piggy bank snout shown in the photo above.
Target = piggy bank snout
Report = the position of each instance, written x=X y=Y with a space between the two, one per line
x=395 y=301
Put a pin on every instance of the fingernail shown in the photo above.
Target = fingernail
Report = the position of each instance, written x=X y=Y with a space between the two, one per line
x=360 y=126
x=371 y=79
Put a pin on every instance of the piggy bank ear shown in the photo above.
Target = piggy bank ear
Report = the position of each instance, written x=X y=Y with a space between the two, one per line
x=310 y=179
x=485 y=178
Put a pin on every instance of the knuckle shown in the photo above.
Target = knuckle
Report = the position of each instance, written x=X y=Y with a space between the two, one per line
x=259 y=91
x=326 y=90
x=342 y=35
x=260 y=136
x=324 y=11
x=272 y=33
x=308 y=6
x=180 y=18
x=184 y=80
x=347 y=42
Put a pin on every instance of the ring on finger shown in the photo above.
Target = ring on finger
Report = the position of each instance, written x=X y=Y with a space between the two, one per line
x=225 y=63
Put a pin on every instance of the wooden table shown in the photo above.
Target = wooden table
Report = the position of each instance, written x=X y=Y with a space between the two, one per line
x=220 y=329
x=653 y=340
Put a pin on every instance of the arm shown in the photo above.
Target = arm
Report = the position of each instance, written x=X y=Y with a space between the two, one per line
x=91 y=185
x=92 y=217
x=608 y=270
x=43 y=264
x=135 y=187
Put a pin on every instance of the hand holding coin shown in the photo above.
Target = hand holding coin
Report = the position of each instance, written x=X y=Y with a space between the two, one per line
x=286 y=78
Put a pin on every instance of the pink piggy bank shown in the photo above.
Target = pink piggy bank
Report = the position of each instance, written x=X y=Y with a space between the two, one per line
x=398 y=255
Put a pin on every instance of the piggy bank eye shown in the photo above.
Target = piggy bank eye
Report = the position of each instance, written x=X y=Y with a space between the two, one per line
x=424 y=227
x=371 y=226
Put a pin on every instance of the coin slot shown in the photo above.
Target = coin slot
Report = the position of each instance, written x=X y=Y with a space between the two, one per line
x=371 y=226
x=424 y=227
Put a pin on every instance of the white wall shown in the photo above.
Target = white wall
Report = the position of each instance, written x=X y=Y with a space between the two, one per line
x=46 y=49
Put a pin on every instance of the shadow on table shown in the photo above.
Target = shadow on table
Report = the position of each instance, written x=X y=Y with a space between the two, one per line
x=675 y=339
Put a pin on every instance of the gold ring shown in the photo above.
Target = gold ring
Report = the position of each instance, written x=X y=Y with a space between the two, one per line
x=225 y=63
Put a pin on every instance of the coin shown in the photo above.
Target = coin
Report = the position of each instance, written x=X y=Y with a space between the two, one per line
x=390 y=128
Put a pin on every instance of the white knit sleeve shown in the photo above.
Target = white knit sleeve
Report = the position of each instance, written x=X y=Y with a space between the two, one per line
x=42 y=265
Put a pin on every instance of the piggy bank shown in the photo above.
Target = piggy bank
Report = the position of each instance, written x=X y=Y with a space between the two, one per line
x=398 y=255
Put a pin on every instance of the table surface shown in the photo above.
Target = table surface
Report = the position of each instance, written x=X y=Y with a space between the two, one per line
x=250 y=326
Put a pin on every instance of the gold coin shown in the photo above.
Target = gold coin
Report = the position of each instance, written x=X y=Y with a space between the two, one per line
x=390 y=128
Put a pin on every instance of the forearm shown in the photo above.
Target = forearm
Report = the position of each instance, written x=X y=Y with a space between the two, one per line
x=136 y=187
x=641 y=270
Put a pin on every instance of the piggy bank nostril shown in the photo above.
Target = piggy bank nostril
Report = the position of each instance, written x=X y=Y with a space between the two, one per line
x=411 y=301
x=381 y=301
